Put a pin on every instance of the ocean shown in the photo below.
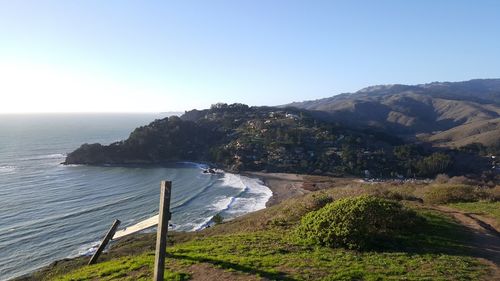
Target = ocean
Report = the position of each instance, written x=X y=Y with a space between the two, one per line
x=50 y=211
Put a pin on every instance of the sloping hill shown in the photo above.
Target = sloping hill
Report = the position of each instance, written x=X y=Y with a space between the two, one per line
x=486 y=132
x=450 y=113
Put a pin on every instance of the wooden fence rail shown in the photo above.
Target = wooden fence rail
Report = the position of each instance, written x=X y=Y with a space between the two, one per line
x=161 y=236
x=164 y=216
x=104 y=242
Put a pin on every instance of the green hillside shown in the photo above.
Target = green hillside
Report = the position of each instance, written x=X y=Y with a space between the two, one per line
x=264 y=245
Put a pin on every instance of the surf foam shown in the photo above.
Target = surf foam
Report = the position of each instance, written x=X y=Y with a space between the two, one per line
x=7 y=169
x=252 y=197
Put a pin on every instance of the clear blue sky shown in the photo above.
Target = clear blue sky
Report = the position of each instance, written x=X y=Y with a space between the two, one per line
x=95 y=55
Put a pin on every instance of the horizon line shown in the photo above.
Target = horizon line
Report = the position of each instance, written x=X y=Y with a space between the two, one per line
x=90 y=112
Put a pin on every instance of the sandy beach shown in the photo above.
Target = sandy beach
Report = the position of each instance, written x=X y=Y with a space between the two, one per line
x=282 y=185
x=285 y=186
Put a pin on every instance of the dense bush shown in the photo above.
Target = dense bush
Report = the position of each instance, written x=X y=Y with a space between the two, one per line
x=494 y=193
x=451 y=193
x=356 y=222
x=442 y=178
x=462 y=180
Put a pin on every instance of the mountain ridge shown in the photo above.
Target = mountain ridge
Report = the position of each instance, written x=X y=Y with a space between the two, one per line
x=423 y=111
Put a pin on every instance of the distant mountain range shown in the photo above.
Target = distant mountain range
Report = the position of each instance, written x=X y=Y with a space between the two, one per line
x=445 y=113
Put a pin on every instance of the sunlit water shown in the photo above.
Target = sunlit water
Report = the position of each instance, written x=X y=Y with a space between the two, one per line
x=50 y=211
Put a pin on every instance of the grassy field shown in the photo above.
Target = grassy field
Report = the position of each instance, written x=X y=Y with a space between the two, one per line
x=273 y=255
x=262 y=245
x=488 y=209
x=130 y=268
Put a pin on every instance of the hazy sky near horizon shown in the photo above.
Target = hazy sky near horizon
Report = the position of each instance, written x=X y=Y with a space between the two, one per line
x=151 y=56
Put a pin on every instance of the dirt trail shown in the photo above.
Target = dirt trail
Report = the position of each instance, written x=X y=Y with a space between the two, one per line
x=486 y=238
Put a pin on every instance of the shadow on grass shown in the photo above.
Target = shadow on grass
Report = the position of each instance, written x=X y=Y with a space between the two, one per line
x=435 y=235
x=236 y=267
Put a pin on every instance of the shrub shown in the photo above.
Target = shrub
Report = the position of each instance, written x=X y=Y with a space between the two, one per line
x=355 y=222
x=442 y=178
x=494 y=193
x=461 y=180
x=319 y=200
x=218 y=219
x=278 y=222
x=395 y=193
x=447 y=193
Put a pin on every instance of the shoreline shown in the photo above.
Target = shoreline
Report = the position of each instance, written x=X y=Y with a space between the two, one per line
x=282 y=185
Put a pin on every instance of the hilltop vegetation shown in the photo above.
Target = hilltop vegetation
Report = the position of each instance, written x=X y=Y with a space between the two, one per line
x=238 y=137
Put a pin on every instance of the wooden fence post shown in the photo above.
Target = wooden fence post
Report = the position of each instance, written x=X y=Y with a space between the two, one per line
x=109 y=236
x=161 y=235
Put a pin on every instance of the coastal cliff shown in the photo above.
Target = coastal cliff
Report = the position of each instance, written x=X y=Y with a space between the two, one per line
x=168 y=139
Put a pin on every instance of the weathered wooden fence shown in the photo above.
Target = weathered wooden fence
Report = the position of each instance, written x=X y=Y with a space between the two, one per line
x=164 y=216
x=161 y=235
x=104 y=242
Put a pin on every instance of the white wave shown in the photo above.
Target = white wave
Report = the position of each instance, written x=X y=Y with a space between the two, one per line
x=233 y=180
x=256 y=186
x=42 y=157
x=7 y=169
x=222 y=203
x=200 y=226
x=255 y=197
x=243 y=206
x=252 y=186
x=197 y=165
x=86 y=249
x=72 y=165
x=252 y=196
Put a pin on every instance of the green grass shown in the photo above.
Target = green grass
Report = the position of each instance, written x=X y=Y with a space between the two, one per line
x=489 y=209
x=276 y=255
x=126 y=268
x=272 y=255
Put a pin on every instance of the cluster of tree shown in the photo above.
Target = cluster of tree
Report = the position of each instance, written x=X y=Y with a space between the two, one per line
x=481 y=149
x=407 y=160
x=413 y=161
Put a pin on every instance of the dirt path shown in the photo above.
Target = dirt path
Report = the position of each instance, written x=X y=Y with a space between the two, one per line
x=207 y=272
x=486 y=238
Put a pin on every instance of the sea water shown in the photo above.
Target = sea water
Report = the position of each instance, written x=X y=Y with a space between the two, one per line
x=50 y=211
